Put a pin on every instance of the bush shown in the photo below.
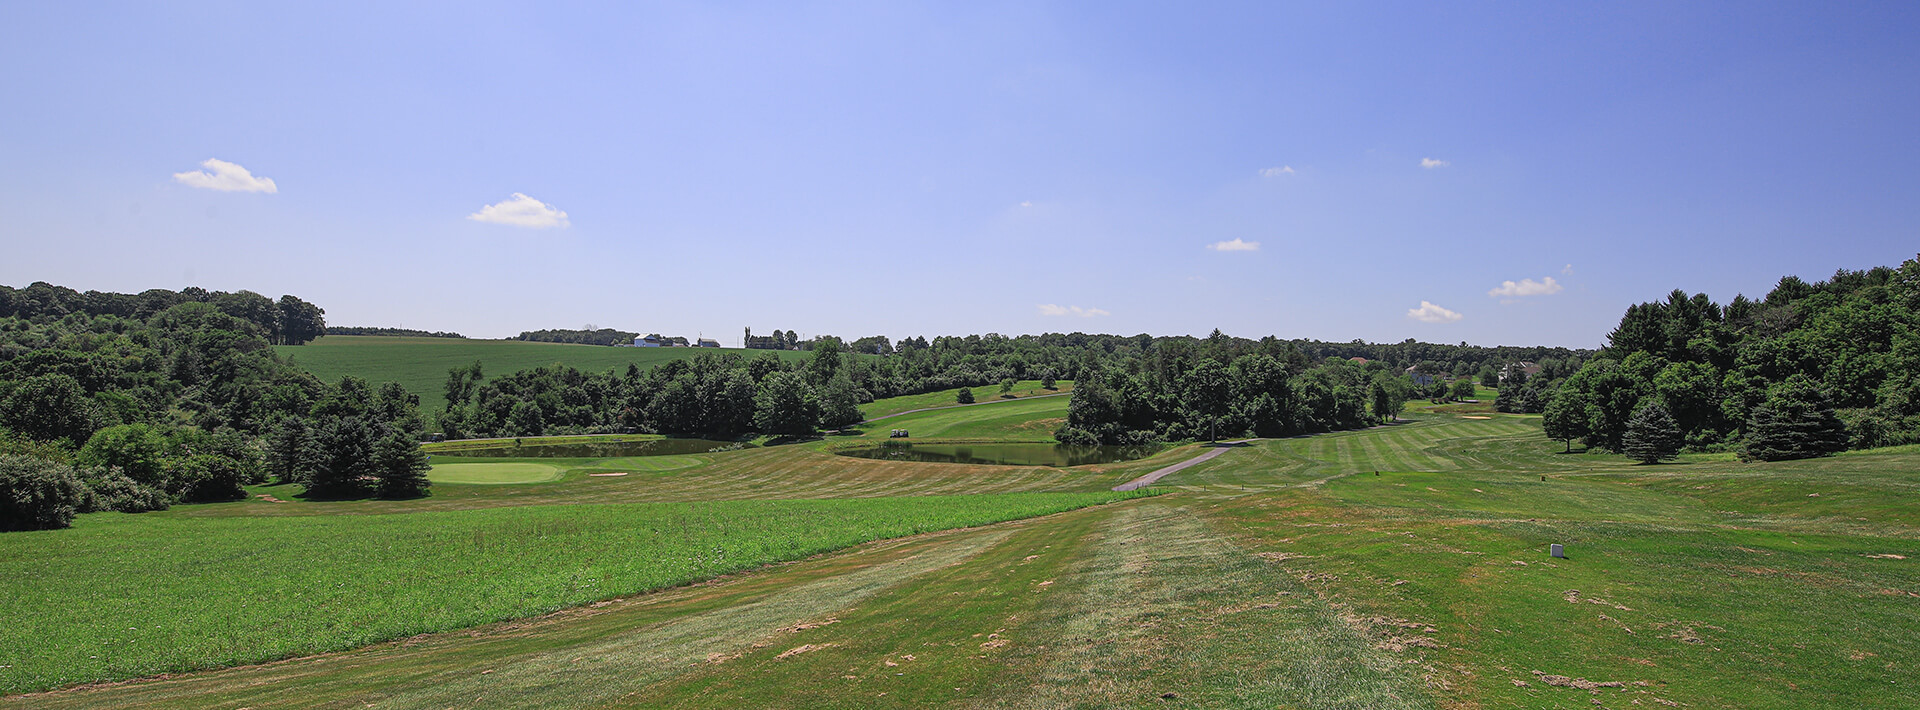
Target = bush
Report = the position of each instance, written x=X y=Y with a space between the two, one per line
x=964 y=396
x=38 y=495
x=111 y=490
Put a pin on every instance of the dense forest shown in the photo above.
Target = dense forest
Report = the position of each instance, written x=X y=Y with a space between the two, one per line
x=1808 y=370
x=134 y=402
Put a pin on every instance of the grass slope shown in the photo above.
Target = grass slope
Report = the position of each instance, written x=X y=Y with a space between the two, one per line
x=121 y=596
x=420 y=364
x=946 y=398
x=1015 y=420
x=1282 y=573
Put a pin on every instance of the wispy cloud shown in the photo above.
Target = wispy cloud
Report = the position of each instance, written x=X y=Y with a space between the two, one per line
x=1567 y=270
x=1431 y=163
x=1433 y=313
x=521 y=211
x=225 y=177
x=1527 y=287
x=1028 y=203
x=1048 y=309
x=1235 y=244
x=1276 y=172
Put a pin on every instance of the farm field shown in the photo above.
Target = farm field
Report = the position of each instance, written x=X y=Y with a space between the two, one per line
x=1400 y=566
x=122 y=596
x=420 y=364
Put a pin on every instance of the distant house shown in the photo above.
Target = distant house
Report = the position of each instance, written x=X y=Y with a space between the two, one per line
x=1360 y=360
x=647 y=341
x=676 y=342
x=1526 y=368
x=709 y=343
x=1419 y=378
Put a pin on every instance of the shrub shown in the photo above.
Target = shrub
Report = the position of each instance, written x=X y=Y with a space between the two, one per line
x=109 y=489
x=964 y=396
x=38 y=495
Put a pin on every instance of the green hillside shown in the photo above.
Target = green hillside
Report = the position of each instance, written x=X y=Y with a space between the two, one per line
x=421 y=363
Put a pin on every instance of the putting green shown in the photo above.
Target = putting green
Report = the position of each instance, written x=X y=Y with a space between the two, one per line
x=493 y=473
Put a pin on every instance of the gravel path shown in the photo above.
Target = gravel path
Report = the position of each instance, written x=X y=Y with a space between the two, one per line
x=1149 y=479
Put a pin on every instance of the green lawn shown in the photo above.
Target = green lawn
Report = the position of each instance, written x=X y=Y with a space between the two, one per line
x=494 y=473
x=1016 y=420
x=946 y=398
x=420 y=364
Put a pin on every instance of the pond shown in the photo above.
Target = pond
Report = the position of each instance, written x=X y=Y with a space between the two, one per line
x=596 y=450
x=1058 y=455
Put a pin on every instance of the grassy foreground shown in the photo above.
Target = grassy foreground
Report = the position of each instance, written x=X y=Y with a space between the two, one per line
x=121 y=596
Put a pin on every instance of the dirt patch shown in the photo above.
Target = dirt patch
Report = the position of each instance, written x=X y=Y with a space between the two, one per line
x=1283 y=556
x=1886 y=556
x=270 y=499
x=803 y=648
x=622 y=473
x=1476 y=417
x=797 y=628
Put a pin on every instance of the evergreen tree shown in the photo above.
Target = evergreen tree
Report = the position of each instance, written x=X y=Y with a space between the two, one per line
x=1652 y=435
x=964 y=396
x=292 y=452
x=346 y=446
x=1797 y=422
x=400 y=466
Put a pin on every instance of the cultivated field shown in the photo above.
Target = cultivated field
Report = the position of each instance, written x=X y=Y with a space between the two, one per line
x=1401 y=566
x=420 y=364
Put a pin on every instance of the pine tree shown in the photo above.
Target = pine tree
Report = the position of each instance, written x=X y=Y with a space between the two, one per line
x=964 y=396
x=1797 y=422
x=292 y=452
x=1652 y=435
x=400 y=466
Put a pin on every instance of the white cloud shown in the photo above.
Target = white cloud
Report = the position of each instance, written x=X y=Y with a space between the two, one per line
x=1276 y=172
x=1235 y=244
x=1028 y=203
x=1567 y=270
x=521 y=211
x=1432 y=313
x=1527 y=287
x=1430 y=163
x=1048 y=309
x=225 y=177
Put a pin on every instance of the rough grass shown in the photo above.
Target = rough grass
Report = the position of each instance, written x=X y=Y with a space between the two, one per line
x=122 y=596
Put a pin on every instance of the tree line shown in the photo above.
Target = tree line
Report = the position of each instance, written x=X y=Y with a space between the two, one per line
x=289 y=321
x=601 y=336
x=134 y=403
x=399 y=332
x=1808 y=370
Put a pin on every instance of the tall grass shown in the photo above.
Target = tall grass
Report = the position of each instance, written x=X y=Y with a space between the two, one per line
x=122 y=596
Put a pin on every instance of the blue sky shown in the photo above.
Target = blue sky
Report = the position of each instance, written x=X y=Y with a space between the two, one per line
x=899 y=169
